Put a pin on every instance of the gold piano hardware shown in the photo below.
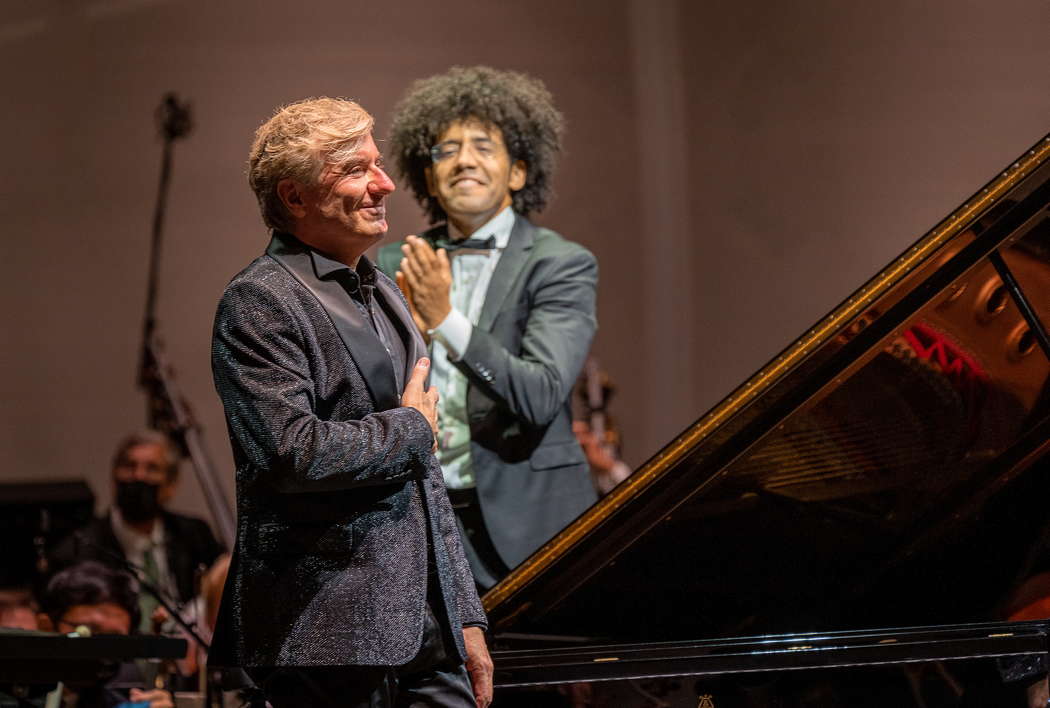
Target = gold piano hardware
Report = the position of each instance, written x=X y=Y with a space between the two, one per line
x=602 y=660
x=800 y=647
x=706 y=701
x=860 y=302
x=1002 y=634
x=888 y=641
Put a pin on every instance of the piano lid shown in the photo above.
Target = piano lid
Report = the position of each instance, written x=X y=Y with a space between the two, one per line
x=870 y=474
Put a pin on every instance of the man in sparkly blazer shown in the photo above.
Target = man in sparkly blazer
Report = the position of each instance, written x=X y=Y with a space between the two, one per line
x=348 y=585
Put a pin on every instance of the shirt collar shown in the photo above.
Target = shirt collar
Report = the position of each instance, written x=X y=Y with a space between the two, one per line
x=499 y=226
x=326 y=268
x=130 y=539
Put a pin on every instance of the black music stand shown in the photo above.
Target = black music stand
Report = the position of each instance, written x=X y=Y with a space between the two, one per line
x=33 y=663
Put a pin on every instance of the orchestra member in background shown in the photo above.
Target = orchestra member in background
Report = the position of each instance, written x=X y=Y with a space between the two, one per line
x=348 y=586
x=17 y=609
x=607 y=469
x=104 y=601
x=595 y=429
x=170 y=549
x=508 y=307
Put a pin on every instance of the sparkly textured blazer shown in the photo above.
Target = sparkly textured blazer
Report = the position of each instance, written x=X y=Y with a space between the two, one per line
x=524 y=355
x=337 y=489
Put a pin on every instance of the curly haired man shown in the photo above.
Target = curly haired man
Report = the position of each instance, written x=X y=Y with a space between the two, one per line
x=508 y=308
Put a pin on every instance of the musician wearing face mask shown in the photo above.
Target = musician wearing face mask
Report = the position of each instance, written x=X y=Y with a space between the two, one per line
x=169 y=548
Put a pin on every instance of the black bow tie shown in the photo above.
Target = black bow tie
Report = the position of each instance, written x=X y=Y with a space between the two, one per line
x=474 y=244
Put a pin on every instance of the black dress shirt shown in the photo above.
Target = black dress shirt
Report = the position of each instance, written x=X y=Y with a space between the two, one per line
x=359 y=284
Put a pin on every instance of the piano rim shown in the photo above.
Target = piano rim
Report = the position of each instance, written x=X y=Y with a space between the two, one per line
x=787 y=652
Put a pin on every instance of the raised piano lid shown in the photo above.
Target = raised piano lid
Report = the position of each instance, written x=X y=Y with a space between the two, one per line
x=871 y=474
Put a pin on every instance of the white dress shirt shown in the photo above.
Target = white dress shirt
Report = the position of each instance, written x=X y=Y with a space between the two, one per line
x=471 y=274
x=136 y=546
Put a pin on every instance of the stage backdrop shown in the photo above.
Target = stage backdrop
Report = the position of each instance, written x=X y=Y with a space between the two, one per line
x=738 y=168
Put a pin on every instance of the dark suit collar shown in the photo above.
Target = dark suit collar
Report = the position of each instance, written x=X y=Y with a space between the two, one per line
x=508 y=271
x=326 y=268
x=100 y=532
x=322 y=277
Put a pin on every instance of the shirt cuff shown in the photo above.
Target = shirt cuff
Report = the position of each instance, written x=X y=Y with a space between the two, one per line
x=454 y=333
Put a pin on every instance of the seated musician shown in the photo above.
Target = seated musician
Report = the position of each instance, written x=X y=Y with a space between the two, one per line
x=595 y=430
x=169 y=548
x=103 y=600
x=17 y=609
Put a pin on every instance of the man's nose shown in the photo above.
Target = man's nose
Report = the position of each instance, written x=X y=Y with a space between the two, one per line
x=466 y=157
x=382 y=184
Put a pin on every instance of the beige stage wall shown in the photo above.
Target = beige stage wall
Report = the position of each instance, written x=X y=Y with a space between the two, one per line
x=738 y=168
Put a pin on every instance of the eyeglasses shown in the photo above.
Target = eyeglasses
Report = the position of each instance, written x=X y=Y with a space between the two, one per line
x=485 y=148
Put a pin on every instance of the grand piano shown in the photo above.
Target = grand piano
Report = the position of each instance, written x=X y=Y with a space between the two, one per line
x=853 y=525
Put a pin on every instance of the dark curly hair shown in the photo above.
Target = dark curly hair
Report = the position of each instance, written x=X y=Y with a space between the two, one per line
x=521 y=106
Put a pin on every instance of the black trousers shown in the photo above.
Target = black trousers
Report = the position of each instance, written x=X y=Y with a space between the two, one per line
x=430 y=680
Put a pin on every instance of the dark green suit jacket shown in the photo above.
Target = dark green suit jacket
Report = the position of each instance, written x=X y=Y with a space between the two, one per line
x=522 y=362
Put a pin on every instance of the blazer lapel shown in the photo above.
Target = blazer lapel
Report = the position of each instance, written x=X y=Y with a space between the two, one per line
x=395 y=306
x=360 y=340
x=508 y=271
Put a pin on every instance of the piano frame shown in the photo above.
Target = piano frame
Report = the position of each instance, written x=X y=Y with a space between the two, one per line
x=788 y=652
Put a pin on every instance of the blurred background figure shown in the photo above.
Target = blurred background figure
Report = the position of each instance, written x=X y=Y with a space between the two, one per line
x=17 y=609
x=103 y=600
x=92 y=595
x=596 y=430
x=603 y=456
x=170 y=550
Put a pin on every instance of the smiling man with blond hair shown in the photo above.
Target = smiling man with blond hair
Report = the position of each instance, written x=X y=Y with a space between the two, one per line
x=348 y=585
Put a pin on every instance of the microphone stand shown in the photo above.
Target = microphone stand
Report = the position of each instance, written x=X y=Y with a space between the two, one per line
x=167 y=410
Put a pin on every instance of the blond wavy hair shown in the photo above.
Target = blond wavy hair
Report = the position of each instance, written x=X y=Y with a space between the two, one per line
x=296 y=143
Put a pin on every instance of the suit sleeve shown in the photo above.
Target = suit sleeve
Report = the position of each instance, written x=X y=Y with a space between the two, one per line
x=264 y=377
x=468 y=604
x=535 y=383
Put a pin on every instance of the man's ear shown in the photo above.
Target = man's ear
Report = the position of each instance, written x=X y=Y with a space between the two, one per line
x=429 y=174
x=291 y=195
x=518 y=173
